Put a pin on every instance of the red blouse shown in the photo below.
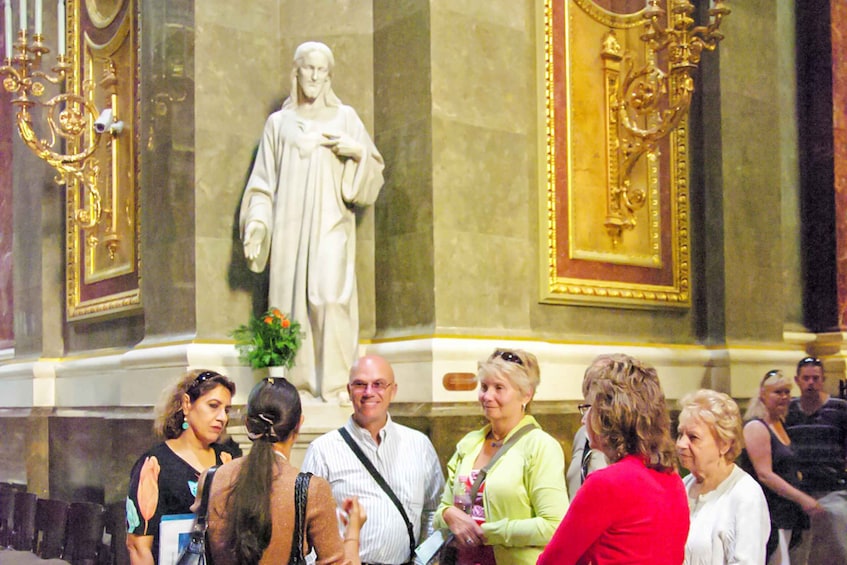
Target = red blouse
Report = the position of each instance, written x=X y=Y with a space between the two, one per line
x=625 y=513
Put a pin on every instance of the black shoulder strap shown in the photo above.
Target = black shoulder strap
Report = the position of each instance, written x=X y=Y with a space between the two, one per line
x=301 y=499
x=500 y=452
x=381 y=482
x=203 y=509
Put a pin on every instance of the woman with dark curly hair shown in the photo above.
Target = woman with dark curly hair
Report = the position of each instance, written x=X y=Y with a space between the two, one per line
x=252 y=500
x=635 y=510
x=190 y=417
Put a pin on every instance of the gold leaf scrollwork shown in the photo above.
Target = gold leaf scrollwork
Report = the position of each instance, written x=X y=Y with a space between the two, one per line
x=646 y=103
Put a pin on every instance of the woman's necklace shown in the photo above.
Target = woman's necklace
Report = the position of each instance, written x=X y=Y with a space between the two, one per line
x=496 y=442
x=284 y=458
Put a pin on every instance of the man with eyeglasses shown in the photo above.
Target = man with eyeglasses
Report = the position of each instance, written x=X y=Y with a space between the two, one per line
x=817 y=426
x=584 y=460
x=403 y=486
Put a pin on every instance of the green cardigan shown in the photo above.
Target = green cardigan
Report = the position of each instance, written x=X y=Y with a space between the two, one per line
x=525 y=496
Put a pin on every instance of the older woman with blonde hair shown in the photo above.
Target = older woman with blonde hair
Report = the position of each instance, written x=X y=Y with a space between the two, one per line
x=521 y=497
x=635 y=510
x=771 y=461
x=729 y=515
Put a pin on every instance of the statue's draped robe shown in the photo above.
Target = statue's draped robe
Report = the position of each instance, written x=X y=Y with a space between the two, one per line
x=305 y=195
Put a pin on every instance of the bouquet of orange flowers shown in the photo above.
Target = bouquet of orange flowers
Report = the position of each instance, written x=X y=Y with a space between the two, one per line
x=269 y=340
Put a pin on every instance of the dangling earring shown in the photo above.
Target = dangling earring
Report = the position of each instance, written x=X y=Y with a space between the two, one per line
x=184 y=423
x=523 y=407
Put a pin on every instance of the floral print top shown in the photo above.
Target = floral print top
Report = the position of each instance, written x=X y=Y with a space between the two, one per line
x=161 y=484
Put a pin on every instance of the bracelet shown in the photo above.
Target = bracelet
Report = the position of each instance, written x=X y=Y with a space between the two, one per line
x=351 y=539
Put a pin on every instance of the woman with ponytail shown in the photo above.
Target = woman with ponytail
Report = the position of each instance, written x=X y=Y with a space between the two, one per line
x=251 y=504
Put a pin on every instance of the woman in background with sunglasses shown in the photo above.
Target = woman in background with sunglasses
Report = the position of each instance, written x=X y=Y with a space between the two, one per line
x=190 y=418
x=768 y=457
x=522 y=497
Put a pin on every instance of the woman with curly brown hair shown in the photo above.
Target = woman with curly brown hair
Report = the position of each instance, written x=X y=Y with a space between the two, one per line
x=190 y=418
x=635 y=510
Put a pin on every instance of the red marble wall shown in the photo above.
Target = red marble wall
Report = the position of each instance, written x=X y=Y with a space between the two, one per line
x=6 y=132
x=839 y=132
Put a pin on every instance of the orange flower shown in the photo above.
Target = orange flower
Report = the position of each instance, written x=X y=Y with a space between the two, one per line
x=277 y=313
x=148 y=489
x=285 y=323
x=268 y=320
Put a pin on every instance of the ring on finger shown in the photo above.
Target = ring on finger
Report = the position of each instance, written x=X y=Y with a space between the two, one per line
x=469 y=540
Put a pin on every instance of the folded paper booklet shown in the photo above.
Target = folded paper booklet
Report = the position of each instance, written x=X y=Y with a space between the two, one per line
x=174 y=536
x=427 y=552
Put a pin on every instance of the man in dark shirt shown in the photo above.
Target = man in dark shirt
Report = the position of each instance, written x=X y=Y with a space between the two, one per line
x=817 y=425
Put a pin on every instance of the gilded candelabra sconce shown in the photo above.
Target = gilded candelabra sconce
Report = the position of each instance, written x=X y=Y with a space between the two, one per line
x=75 y=125
x=79 y=115
x=647 y=103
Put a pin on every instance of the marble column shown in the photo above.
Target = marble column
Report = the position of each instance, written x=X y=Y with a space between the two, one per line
x=839 y=134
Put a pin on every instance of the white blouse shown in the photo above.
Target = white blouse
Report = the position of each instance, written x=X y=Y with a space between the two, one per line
x=729 y=524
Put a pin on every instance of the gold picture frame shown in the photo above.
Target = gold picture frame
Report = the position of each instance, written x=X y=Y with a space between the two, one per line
x=591 y=252
x=103 y=261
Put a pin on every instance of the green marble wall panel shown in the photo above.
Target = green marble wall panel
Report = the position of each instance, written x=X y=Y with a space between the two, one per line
x=405 y=285
x=483 y=71
x=752 y=149
x=789 y=167
x=91 y=456
x=166 y=143
x=483 y=132
x=12 y=465
x=402 y=67
x=237 y=84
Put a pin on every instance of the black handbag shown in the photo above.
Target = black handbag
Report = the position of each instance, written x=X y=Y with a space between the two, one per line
x=195 y=551
x=301 y=498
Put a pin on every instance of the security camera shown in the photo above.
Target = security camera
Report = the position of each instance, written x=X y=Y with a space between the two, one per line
x=106 y=122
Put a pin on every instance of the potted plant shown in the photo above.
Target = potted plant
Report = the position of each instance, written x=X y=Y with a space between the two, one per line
x=269 y=340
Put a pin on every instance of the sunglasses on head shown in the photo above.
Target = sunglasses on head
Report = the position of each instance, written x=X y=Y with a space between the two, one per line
x=810 y=361
x=508 y=356
x=771 y=373
x=201 y=378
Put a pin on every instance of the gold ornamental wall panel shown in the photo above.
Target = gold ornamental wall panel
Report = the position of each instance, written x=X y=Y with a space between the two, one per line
x=614 y=229
x=103 y=255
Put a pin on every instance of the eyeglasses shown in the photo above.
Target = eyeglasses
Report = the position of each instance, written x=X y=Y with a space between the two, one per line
x=809 y=361
x=583 y=409
x=376 y=386
x=508 y=356
x=201 y=378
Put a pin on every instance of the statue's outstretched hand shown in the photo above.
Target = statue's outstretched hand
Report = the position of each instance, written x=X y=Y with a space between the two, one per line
x=343 y=145
x=254 y=234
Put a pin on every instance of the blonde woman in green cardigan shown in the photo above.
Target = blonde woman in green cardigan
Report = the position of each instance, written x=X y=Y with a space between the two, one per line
x=522 y=499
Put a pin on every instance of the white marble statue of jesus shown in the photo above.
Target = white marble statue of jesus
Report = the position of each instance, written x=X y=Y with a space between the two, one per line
x=316 y=163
